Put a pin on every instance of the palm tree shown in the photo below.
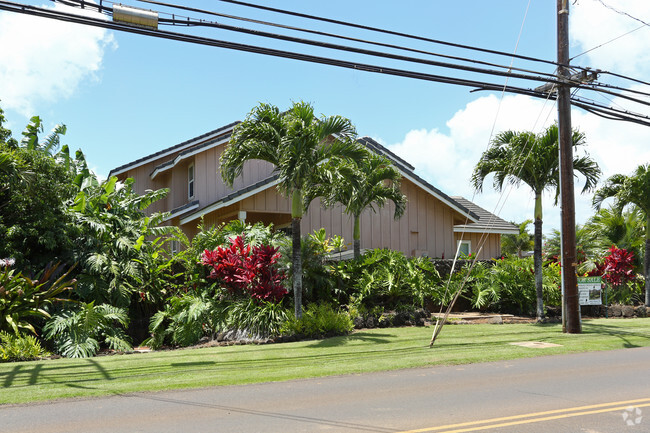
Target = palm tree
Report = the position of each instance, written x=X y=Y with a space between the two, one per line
x=518 y=157
x=518 y=244
x=634 y=189
x=359 y=185
x=624 y=228
x=297 y=143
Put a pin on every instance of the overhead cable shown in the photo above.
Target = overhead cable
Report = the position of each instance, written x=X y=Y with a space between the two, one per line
x=477 y=85
x=334 y=35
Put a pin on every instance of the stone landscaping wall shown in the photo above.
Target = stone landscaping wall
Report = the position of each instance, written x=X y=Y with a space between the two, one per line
x=603 y=311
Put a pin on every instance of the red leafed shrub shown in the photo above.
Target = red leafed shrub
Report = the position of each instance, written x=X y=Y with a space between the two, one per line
x=619 y=266
x=245 y=269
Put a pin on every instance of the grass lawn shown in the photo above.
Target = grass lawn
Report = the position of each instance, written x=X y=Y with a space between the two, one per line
x=366 y=351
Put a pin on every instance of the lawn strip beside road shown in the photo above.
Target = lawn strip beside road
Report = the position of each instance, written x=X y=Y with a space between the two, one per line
x=364 y=351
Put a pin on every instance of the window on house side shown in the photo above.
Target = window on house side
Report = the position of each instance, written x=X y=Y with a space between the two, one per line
x=190 y=182
x=465 y=248
x=174 y=247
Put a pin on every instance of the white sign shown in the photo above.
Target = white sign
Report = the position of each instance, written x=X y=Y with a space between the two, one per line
x=590 y=290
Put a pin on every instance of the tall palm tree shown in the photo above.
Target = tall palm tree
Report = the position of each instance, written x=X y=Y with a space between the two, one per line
x=359 y=185
x=297 y=143
x=516 y=157
x=634 y=189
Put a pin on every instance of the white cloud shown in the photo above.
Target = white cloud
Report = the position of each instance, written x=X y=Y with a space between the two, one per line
x=44 y=60
x=447 y=160
x=607 y=30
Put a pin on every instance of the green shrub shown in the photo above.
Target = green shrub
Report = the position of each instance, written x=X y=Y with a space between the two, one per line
x=77 y=333
x=390 y=279
x=191 y=316
x=319 y=320
x=20 y=348
x=509 y=285
x=186 y=318
x=257 y=318
x=22 y=300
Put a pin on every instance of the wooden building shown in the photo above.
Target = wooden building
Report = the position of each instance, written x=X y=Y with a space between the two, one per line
x=433 y=225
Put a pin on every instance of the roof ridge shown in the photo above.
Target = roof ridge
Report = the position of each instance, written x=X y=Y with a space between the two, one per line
x=170 y=149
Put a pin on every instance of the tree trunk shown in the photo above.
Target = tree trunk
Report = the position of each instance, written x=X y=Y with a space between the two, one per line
x=647 y=262
x=356 y=235
x=296 y=252
x=537 y=257
x=296 y=261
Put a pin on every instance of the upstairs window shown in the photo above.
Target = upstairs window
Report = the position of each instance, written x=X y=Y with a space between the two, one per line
x=190 y=182
x=174 y=247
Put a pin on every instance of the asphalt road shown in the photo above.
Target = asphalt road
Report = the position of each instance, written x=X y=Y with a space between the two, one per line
x=599 y=392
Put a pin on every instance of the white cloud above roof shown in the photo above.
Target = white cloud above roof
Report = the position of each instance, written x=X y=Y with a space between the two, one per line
x=47 y=60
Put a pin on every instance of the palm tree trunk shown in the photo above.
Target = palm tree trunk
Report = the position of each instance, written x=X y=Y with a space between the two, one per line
x=647 y=261
x=537 y=257
x=296 y=253
x=356 y=235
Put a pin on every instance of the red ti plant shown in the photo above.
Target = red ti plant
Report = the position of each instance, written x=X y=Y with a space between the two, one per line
x=244 y=269
x=619 y=266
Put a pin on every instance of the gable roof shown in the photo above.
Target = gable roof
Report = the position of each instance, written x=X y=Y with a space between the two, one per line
x=234 y=197
x=208 y=136
x=218 y=136
x=487 y=223
x=406 y=170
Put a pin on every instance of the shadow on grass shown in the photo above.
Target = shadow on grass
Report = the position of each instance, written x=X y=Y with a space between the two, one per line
x=365 y=346
x=614 y=331
x=357 y=336
x=53 y=373
x=192 y=364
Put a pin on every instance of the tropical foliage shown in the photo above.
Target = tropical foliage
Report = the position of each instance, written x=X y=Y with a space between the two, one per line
x=20 y=347
x=23 y=301
x=519 y=244
x=368 y=183
x=532 y=159
x=78 y=332
x=34 y=189
x=389 y=279
x=508 y=285
x=243 y=268
x=633 y=189
x=296 y=142
x=319 y=320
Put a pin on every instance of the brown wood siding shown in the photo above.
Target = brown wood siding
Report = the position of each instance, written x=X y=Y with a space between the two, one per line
x=266 y=200
x=425 y=228
x=489 y=243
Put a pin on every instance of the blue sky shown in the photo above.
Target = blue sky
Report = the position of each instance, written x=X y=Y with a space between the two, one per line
x=124 y=96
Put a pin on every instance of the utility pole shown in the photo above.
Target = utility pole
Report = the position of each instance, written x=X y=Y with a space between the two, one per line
x=569 y=276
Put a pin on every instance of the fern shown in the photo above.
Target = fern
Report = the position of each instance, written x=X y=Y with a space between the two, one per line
x=77 y=333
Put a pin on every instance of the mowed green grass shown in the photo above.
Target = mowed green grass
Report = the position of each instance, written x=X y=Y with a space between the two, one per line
x=360 y=352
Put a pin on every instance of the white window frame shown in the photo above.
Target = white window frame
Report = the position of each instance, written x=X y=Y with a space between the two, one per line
x=460 y=244
x=174 y=247
x=191 y=174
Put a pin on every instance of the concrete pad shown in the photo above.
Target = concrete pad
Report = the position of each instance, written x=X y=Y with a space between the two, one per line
x=535 y=344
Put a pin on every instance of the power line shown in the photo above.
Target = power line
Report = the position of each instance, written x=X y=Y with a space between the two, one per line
x=333 y=35
x=477 y=85
x=389 y=32
x=622 y=13
x=199 y=22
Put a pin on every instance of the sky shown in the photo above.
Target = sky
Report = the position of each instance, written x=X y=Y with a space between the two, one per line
x=124 y=96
